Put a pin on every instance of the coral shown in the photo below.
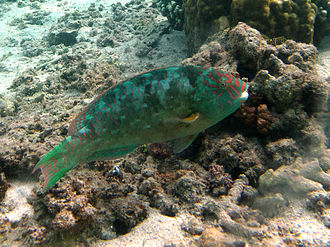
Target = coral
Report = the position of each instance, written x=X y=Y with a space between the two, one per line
x=173 y=11
x=300 y=20
x=264 y=119
x=219 y=182
x=292 y=19
x=259 y=118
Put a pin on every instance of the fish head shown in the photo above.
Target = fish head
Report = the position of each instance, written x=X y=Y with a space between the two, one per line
x=226 y=91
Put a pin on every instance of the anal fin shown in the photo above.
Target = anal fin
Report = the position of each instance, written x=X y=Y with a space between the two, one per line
x=107 y=154
x=181 y=144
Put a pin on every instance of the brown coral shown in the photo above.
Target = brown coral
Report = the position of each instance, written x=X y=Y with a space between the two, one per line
x=264 y=119
x=219 y=182
x=259 y=118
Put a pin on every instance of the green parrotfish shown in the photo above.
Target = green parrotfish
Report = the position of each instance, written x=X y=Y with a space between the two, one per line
x=173 y=103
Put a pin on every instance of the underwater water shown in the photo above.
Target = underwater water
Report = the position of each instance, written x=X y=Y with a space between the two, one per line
x=175 y=153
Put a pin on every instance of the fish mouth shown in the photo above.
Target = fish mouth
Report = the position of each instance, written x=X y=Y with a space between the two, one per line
x=245 y=95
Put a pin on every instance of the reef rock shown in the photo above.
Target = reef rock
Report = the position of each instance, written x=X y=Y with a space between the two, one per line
x=283 y=152
x=237 y=155
x=296 y=180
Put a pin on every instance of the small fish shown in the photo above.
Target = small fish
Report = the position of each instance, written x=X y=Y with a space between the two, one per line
x=173 y=103
x=276 y=41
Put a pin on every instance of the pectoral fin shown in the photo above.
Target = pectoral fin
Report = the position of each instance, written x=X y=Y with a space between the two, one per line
x=191 y=118
x=182 y=143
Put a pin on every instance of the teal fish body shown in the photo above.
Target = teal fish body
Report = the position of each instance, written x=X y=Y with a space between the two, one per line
x=173 y=103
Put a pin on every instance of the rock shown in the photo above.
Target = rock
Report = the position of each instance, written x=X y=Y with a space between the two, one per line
x=66 y=37
x=36 y=234
x=245 y=43
x=31 y=48
x=7 y=106
x=160 y=150
x=319 y=202
x=213 y=54
x=283 y=152
x=165 y=204
x=288 y=181
x=249 y=194
x=233 y=227
x=3 y=186
x=4 y=224
x=235 y=193
x=271 y=205
x=187 y=188
x=211 y=211
x=128 y=212
x=3 y=128
x=193 y=226
x=64 y=221
x=237 y=155
x=314 y=138
x=325 y=160
x=313 y=171
x=213 y=237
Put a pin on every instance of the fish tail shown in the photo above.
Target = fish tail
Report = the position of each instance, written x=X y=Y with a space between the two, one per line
x=57 y=162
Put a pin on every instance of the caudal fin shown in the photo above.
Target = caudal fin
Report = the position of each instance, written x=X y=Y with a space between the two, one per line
x=56 y=163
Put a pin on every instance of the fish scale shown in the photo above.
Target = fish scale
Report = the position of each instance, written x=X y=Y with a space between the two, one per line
x=173 y=103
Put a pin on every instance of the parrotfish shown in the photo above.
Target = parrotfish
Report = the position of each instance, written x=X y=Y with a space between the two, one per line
x=172 y=103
